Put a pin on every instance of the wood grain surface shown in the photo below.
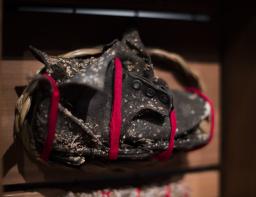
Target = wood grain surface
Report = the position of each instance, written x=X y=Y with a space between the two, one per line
x=13 y=73
x=1 y=27
x=239 y=95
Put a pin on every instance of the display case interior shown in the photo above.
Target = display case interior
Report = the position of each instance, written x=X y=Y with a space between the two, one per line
x=60 y=26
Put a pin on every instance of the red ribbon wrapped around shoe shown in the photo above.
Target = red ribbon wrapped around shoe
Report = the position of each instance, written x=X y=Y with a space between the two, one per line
x=107 y=104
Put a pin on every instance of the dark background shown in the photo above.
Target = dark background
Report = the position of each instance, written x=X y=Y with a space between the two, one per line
x=188 y=27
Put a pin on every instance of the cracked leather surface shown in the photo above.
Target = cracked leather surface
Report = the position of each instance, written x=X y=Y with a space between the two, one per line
x=86 y=92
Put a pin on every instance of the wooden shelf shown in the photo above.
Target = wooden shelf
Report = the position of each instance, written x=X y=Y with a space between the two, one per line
x=197 y=184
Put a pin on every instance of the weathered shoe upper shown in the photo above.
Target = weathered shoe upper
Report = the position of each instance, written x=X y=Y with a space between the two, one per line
x=86 y=98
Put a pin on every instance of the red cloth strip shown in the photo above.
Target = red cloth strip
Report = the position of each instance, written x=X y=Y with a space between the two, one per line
x=205 y=98
x=165 y=155
x=105 y=193
x=137 y=190
x=52 y=118
x=168 y=191
x=116 y=116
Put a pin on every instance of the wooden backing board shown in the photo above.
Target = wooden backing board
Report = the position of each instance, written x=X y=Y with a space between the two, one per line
x=1 y=27
x=14 y=73
x=239 y=95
